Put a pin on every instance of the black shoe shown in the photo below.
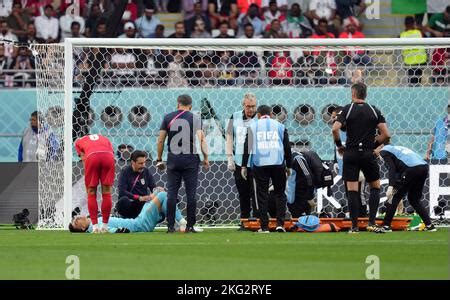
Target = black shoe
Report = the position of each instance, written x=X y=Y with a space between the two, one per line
x=241 y=228
x=190 y=229
x=170 y=230
x=353 y=230
x=430 y=228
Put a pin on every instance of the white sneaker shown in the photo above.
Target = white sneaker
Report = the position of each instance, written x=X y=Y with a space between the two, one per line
x=263 y=231
x=280 y=229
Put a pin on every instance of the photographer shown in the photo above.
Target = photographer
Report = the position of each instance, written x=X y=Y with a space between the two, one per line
x=135 y=186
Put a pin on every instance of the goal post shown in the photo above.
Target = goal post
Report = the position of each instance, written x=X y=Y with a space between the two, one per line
x=302 y=79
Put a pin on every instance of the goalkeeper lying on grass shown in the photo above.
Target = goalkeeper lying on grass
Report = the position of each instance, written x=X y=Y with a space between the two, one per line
x=152 y=213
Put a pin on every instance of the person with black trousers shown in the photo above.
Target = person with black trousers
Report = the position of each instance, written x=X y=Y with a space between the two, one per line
x=235 y=138
x=136 y=184
x=271 y=159
x=407 y=175
x=361 y=120
x=182 y=129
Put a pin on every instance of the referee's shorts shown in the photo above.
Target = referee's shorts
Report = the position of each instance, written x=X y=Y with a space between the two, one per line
x=355 y=161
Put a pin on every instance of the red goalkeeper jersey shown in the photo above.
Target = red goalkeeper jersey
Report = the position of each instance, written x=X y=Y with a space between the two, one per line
x=93 y=143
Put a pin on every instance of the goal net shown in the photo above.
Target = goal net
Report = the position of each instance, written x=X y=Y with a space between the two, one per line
x=122 y=88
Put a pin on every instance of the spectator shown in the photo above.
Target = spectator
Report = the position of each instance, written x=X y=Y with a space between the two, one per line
x=37 y=7
x=199 y=30
x=5 y=62
x=253 y=18
x=298 y=26
x=349 y=8
x=30 y=37
x=129 y=31
x=414 y=59
x=180 y=31
x=323 y=9
x=136 y=184
x=248 y=64
x=47 y=27
x=359 y=57
x=159 y=32
x=131 y=12
x=273 y=14
x=439 y=145
x=18 y=20
x=223 y=31
x=100 y=28
x=66 y=21
x=189 y=8
x=198 y=15
x=6 y=8
x=5 y=33
x=281 y=72
x=123 y=65
x=30 y=148
x=23 y=64
x=91 y=22
x=146 y=24
x=439 y=26
x=275 y=31
x=176 y=76
x=281 y=4
x=75 y=30
x=82 y=7
x=226 y=70
x=244 y=5
x=161 y=5
x=223 y=10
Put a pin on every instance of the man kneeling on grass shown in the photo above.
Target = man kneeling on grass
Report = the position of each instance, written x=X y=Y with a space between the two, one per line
x=152 y=213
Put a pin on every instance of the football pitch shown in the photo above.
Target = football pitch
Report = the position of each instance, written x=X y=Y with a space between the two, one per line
x=224 y=254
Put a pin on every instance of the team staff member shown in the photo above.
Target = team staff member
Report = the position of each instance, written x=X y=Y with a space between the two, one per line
x=361 y=120
x=235 y=138
x=271 y=159
x=407 y=175
x=182 y=129
x=97 y=154
x=136 y=184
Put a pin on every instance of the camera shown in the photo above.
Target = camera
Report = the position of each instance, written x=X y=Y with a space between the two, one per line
x=21 y=220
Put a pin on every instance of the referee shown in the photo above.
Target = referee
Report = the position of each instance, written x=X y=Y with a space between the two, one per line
x=182 y=129
x=361 y=120
x=271 y=159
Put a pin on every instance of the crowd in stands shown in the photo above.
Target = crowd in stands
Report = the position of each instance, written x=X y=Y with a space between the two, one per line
x=51 y=21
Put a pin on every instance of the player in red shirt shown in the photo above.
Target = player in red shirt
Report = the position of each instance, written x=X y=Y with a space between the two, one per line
x=97 y=153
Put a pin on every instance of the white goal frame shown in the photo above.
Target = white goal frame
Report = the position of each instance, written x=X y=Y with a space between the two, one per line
x=253 y=44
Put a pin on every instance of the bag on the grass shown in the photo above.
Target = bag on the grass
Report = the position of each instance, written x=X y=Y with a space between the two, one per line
x=308 y=223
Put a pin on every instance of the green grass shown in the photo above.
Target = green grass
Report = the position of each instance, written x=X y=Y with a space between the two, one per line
x=223 y=254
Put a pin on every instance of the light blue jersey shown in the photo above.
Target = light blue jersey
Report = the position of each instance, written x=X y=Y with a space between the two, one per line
x=406 y=155
x=440 y=138
x=268 y=148
x=240 y=128
x=146 y=221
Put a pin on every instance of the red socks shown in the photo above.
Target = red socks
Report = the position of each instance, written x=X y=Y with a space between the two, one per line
x=93 y=208
x=106 y=207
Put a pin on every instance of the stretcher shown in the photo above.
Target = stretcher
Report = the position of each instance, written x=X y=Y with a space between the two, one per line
x=339 y=224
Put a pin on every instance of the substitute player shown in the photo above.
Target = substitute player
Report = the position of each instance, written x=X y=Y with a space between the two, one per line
x=152 y=213
x=97 y=154
x=407 y=175
x=361 y=120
